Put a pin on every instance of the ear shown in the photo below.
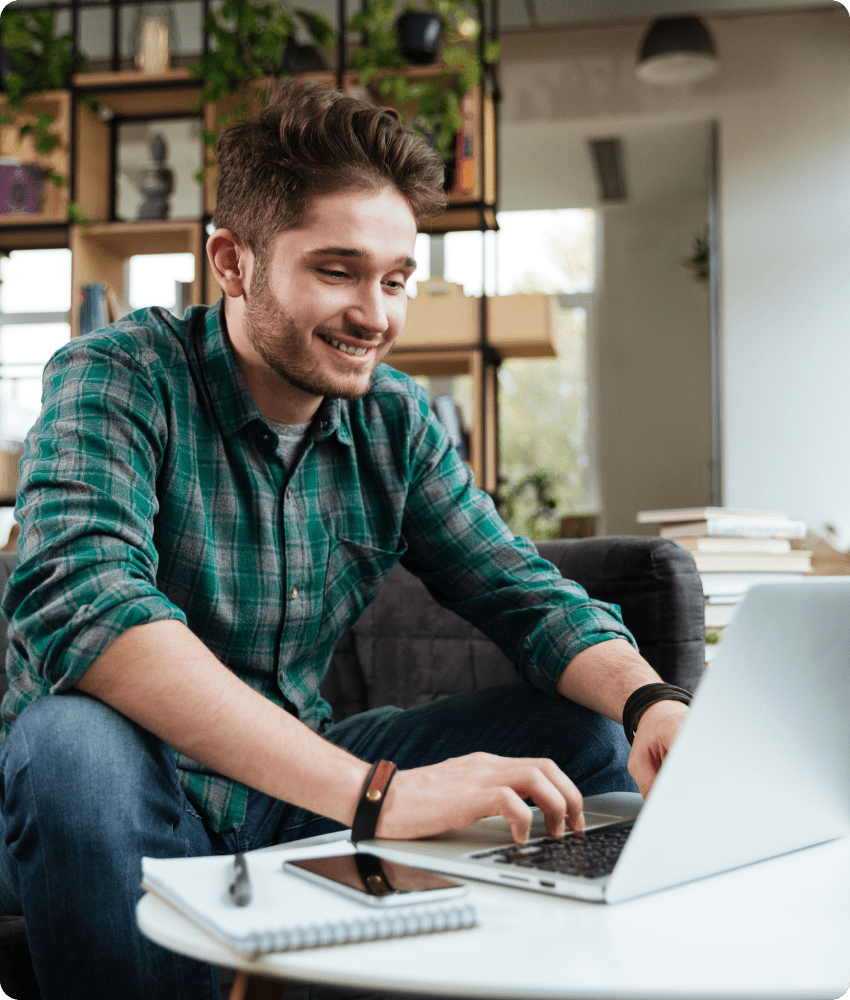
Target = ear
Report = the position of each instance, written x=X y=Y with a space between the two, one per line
x=230 y=261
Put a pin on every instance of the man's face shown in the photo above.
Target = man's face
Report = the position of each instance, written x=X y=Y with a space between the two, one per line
x=327 y=303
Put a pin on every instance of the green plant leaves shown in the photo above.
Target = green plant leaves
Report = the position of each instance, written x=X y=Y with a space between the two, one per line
x=436 y=111
x=320 y=29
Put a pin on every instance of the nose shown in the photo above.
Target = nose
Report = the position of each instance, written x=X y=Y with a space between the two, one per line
x=367 y=312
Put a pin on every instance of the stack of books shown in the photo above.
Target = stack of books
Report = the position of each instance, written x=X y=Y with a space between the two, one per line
x=733 y=550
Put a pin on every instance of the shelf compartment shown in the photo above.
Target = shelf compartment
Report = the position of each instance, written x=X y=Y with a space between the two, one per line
x=57 y=103
x=133 y=94
x=100 y=252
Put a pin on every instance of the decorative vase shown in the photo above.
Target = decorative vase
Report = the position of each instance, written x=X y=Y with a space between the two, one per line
x=419 y=36
x=155 y=37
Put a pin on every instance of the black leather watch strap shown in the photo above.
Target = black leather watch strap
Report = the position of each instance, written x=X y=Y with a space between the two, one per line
x=640 y=700
x=372 y=800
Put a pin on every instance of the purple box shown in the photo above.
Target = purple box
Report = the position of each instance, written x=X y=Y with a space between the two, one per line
x=21 y=188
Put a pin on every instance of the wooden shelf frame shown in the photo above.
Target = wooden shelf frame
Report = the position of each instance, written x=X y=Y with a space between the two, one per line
x=100 y=252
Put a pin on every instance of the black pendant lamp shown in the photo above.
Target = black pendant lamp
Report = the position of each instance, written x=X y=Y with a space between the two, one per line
x=676 y=51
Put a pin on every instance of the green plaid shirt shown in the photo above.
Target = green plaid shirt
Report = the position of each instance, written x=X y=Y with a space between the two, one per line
x=151 y=488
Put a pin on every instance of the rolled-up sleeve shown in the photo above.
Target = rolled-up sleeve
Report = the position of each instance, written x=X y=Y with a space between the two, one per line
x=87 y=506
x=472 y=563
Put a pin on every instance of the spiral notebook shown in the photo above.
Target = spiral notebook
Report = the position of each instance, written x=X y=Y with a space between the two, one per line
x=286 y=913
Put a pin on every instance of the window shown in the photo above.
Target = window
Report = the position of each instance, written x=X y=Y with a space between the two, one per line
x=160 y=280
x=35 y=300
x=545 y=405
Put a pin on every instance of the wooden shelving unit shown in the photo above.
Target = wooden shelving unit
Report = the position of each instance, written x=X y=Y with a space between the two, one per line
x=468 y=337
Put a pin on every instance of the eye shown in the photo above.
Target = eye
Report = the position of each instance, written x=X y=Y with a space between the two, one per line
x=333 y=274
x=394 y=286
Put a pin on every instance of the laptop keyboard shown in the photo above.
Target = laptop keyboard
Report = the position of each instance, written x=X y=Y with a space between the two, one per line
x=591 y=855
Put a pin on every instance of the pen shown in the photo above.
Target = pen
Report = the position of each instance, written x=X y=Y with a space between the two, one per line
x=240 y=884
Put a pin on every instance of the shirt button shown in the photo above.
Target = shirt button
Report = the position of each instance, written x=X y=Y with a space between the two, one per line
x=289 y=494
x=267 y=435
x=293 y=593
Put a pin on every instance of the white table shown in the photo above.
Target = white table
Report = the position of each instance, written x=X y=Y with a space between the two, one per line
x=778 y=929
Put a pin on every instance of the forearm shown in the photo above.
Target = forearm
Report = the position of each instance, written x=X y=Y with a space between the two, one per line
x=162 y=677
x=603 y=676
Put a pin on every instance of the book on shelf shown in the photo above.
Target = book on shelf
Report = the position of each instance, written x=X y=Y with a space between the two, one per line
x=729 y=588
x=99 y=306
x=448 y=413
x=798 y=561
x=692 y=522
x=703 y=514
x=464 y=182
x=711 y=543
x=736 y=527
x=286 y=913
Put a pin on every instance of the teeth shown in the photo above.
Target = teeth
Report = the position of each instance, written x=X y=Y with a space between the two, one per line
x=357 y=351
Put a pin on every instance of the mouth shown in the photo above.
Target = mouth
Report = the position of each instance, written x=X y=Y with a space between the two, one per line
x=352 y=350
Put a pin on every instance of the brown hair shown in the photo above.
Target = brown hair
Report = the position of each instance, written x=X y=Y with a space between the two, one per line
x=310 y=140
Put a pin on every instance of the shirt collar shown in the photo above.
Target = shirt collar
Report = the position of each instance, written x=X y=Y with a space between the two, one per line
x=231 y=399
x=333 y=418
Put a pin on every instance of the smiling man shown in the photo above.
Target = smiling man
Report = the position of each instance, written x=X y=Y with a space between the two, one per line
x=207 y=504
x=313 y=318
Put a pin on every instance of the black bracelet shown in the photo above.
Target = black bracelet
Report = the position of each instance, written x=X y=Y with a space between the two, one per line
x=639 y=701
x=371 y=801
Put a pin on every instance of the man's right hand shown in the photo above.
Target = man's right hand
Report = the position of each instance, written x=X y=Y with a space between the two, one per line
x=428 y=800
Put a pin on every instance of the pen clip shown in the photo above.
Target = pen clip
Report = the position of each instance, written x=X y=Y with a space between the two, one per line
x=240 y=885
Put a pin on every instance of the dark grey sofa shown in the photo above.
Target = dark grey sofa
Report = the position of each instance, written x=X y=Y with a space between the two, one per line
x=406 y=650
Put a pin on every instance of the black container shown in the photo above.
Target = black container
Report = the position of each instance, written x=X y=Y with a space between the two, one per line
x=419 y=36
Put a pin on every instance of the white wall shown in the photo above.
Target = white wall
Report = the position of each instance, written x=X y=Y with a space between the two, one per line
x=653 y=366
x=782 y=100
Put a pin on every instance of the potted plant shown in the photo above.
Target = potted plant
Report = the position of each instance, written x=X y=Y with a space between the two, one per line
x=36 y=60
x=431 y=106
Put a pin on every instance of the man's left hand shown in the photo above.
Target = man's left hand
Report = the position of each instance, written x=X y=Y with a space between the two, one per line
x=656 y=731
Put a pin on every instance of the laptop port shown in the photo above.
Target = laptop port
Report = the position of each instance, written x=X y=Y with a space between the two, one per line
x=547 y=884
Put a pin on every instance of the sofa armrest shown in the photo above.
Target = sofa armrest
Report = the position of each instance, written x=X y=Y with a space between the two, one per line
x=658 y=588
x=406 y=649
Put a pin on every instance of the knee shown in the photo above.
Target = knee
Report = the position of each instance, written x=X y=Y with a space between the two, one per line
x=66 y=754
x=606 y=758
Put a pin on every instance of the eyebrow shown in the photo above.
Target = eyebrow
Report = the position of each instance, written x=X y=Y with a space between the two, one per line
x=351 y=252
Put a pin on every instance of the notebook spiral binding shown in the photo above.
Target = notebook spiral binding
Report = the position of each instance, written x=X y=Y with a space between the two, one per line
x=382 y=926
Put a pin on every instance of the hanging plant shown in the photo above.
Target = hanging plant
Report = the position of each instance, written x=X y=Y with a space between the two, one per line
x=431 y=107
x=36 y=60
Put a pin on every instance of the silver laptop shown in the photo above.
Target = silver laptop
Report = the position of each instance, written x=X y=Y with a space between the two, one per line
x=761 y=767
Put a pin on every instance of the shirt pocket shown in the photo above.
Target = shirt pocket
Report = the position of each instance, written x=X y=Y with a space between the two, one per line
x=355 y=573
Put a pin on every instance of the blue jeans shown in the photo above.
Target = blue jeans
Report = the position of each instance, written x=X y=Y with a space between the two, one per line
x=85 y=793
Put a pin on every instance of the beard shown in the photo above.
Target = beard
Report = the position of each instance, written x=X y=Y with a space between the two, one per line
x=275 y=336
